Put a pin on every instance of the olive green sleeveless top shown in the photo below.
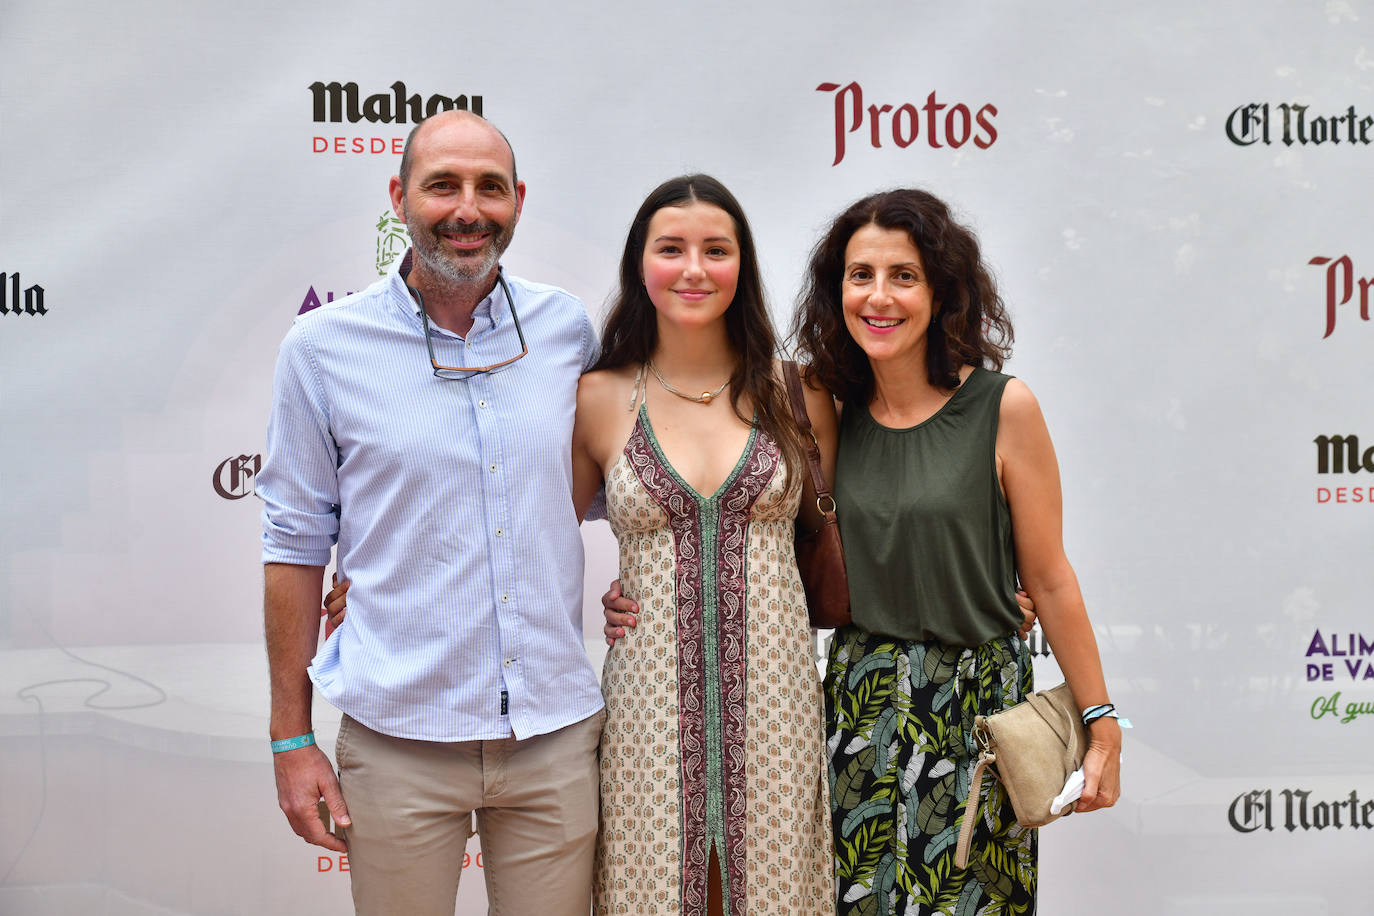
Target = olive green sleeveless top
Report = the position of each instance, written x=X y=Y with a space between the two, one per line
x=926 y=529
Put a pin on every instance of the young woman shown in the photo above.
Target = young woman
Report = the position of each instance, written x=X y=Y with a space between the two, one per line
x=712 y=756
x=948 y=492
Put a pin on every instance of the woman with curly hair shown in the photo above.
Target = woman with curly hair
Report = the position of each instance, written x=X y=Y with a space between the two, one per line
x=948 y=493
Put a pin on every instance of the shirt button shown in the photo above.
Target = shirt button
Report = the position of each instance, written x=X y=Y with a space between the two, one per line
x=482 y=404
x=505 y=598
x=493 y=469
x=508 y=661
x=500 y=532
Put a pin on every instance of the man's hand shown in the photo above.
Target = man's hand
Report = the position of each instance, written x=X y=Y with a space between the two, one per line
x=304 y=776
x=620 y=613
x=291 y=617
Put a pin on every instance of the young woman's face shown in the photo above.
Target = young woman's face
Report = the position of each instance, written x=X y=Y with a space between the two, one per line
x=691 y=263
x=888 y=302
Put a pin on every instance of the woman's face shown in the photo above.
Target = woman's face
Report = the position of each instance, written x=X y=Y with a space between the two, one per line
x=888 y=303
x=691 y=263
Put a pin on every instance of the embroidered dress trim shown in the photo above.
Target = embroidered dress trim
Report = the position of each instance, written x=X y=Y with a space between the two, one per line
x=710 y=584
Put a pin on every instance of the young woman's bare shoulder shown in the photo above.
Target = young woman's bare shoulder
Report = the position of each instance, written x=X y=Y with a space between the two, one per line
x=602 y=383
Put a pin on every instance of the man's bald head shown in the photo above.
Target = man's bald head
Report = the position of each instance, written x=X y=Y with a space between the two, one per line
x=441 y=119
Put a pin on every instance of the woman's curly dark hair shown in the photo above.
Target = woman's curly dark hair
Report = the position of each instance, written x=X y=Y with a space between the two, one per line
x=970 y=328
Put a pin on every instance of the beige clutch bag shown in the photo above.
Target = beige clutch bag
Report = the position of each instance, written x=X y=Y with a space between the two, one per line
x=1033 y=747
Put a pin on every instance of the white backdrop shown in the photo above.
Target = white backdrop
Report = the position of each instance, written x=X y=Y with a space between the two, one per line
x=166 y=213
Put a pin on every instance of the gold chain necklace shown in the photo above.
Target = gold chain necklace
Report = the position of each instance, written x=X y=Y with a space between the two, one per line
x=705 y=397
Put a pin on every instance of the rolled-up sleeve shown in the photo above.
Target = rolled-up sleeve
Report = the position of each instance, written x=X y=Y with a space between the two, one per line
x=299 y=483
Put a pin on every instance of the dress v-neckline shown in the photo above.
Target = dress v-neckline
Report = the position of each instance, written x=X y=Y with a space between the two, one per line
x=643 y=421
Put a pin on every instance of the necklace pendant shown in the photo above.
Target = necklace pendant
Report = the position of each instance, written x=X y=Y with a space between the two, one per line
x=705 y=397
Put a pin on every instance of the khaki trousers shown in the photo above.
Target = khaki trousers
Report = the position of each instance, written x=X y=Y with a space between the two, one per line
x=412 y=805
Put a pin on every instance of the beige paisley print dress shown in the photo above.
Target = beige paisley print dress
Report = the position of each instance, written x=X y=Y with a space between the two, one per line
x=714 y=739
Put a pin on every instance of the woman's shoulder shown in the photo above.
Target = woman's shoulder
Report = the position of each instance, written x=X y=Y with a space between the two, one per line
x=600 y=382
x=1016 y=394
x=993 y=382
x=1019 y=410
x=604 y=412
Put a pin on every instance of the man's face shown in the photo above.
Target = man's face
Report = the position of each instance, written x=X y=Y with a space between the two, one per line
x=461 y=203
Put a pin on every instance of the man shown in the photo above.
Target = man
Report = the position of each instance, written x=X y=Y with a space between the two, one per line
x=423 y=425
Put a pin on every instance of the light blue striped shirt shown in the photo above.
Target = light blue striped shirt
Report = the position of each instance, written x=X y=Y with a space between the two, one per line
x=450 y=504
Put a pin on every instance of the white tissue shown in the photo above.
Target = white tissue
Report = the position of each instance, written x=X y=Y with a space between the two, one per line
x=1073 y=790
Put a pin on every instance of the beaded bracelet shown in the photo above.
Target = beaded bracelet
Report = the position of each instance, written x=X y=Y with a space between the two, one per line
x=1103 y=711
x=283 y=745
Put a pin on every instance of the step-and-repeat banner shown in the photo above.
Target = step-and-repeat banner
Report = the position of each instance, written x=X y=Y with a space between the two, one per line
x=1176 y=199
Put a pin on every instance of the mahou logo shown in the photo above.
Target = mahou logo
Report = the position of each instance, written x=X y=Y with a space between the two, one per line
x=938 y=123
x=1342 y=455
x=233 y=478
x=1340 y=286
x=1291 y=124
x=17 y=299
x=335 y=103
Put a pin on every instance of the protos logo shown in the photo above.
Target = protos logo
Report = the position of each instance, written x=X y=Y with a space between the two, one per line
x=1340 y=286
x=907 y=123
x=233 y=478
x=17 y=301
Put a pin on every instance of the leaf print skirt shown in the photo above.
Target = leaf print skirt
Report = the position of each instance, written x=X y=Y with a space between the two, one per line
x=899 y=723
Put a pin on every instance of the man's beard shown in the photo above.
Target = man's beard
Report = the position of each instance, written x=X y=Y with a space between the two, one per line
x=450 y=265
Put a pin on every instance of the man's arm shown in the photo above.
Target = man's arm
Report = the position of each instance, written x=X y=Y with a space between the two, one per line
x=291 y=612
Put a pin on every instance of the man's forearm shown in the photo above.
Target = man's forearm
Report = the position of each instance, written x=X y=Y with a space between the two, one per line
x=291 y=616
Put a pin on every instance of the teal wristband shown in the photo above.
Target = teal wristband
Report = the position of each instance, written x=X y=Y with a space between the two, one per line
x=291 y=744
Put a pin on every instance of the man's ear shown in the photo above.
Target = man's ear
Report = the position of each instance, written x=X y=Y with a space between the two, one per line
x=398 y=197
